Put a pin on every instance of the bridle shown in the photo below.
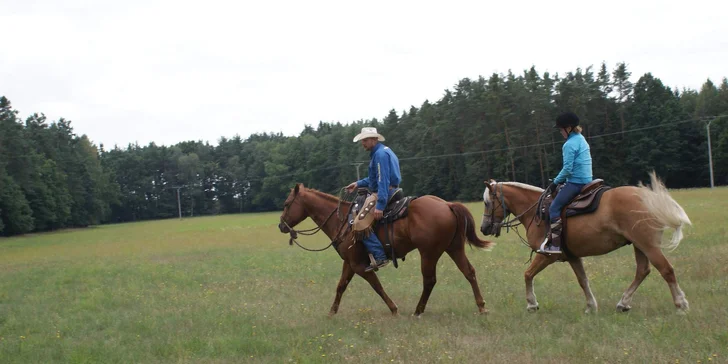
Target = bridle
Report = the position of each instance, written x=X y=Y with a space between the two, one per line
x=512 y=223
x=308 y=232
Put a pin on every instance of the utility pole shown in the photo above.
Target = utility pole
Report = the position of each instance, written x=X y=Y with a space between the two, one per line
x=710 y=153
x=179 y=205
x=357 y=169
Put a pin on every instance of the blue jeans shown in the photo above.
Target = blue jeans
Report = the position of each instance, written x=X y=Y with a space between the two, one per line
x=569 y=191
x=374 y=246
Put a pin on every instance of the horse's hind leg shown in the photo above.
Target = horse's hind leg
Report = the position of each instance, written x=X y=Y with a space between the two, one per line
x=538 y=264
x=654 y=254
x=461 y=260
x=429 y=278
x=578 y=267
x=373 y=280
x=643 y=269
x=346 y=274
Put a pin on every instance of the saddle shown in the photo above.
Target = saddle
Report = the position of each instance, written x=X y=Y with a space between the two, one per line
x=362 y=222
x=362 y=216
x=587 y=201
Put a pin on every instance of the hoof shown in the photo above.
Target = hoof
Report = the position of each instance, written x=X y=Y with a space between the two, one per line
x=590 y=310
x=532 y=308
x=332 y=313
x=483 y=311
x=621 y=308
x=681 y=312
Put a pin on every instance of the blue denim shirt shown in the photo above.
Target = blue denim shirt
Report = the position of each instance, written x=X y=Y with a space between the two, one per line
x=383 y=171
x=577 y=161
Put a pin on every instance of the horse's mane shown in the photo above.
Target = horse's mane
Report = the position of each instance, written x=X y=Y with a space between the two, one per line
x=524 y=186
x=326 y=196
x=486 y=195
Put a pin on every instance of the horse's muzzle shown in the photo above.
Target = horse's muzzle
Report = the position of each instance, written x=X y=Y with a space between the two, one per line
x=490 y=229
x=284 y=229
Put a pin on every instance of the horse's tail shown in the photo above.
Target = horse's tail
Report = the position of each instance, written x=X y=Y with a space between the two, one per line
x=666 y=211
x=466 y=226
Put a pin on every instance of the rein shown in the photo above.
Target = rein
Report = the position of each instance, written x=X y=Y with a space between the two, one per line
x=308 y=232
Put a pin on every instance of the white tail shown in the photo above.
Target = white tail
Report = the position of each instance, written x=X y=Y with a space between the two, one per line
x=666 y=211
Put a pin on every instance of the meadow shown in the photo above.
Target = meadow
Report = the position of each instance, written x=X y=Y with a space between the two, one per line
x=229 y=289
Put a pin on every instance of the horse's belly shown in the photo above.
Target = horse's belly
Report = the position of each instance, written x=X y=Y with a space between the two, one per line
x=588 y=236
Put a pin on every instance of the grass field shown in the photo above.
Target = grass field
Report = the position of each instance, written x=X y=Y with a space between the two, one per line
x=229 y=289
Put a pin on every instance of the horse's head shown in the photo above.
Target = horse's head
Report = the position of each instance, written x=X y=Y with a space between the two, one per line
x=495 y=209
x=293 y=210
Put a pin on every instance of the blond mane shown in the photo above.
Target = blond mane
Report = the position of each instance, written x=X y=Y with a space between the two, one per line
x=524 y=186
x=486 y=195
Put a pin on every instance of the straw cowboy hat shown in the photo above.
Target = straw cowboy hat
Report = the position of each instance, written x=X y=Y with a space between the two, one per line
x=368 y=133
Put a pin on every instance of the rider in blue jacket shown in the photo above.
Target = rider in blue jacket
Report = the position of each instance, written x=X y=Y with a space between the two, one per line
x=383 y=179
x=576 y=172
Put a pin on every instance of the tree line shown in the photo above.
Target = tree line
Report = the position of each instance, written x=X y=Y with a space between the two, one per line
x=490 y=127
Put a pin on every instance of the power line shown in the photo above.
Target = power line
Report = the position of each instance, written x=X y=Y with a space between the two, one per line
x=499 y=149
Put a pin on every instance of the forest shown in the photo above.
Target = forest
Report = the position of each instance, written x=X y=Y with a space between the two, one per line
x=496 y=127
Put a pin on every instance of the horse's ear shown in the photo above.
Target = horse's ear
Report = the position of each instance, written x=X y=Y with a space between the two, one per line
x=298 y=188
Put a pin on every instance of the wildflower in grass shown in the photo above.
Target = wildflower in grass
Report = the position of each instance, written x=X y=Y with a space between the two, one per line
x=22 y=337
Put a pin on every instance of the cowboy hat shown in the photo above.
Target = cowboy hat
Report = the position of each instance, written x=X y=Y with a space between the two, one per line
x=368 y=133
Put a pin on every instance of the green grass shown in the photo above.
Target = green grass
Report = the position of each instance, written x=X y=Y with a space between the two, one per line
x=230 y=289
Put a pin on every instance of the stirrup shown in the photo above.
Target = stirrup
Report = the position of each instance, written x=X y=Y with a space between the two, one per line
x=546 y=249
x=376 y=265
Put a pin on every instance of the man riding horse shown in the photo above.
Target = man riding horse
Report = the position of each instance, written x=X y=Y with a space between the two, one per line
x=384 y=178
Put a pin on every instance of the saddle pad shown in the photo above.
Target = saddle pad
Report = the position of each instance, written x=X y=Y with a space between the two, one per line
x=586 y=205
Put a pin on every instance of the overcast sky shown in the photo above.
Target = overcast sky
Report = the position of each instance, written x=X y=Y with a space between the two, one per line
x=168 y=71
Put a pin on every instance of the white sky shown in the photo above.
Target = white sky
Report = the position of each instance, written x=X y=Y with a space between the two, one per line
x=168 y=71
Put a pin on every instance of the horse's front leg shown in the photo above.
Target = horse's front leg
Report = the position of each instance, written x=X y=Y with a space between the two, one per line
x=538 y=264
x=373 y=280
x=346 y=274
x=578 y=267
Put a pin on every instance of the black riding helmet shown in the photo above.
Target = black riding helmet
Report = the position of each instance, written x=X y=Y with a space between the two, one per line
x=567 y=119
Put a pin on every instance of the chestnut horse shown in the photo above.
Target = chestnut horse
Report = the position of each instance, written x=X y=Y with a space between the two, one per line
x=626 y=214
x=433 y=226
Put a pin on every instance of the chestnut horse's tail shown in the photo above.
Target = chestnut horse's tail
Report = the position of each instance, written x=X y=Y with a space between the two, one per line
x=466 y=226
x=666 y=211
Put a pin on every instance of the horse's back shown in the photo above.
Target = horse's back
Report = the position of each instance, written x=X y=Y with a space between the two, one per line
x=430 y=216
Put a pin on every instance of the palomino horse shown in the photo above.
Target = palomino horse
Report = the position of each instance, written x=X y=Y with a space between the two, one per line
x=433 y=226
x=626 y=214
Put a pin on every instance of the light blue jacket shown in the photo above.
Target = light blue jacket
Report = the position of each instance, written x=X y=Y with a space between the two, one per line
x=577 y=161
x=383 y=172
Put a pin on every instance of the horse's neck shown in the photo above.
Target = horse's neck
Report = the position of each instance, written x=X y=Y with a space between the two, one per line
x=322 y=209
x=522 y=203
